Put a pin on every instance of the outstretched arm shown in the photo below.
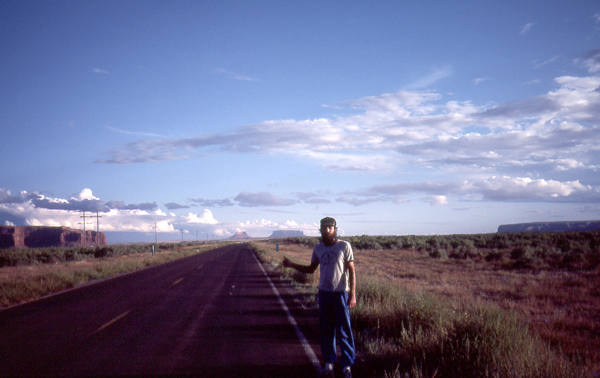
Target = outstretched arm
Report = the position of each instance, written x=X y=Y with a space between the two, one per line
x=300 y=267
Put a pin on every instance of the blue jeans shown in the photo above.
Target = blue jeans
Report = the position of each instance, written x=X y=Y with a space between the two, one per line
x=334 y=317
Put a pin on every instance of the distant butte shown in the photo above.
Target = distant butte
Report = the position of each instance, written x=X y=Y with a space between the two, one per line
x=278 y=234
x=41 y=236
x=240 y=235
x=551 y=226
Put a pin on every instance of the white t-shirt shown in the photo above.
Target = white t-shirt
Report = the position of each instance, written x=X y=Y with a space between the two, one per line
x=333 y=259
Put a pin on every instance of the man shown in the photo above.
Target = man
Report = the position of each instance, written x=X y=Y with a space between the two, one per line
x=337 y=294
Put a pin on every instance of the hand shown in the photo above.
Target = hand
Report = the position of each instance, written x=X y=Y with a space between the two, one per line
x=351 y=301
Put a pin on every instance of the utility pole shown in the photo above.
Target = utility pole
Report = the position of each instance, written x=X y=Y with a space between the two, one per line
x=155 y=239
x=97 y=225
x=84 y=238
x=155 y=233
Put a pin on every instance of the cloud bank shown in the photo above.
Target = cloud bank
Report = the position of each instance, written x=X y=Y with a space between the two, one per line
x=542 y=148
x=551 y=137
x=36 y=209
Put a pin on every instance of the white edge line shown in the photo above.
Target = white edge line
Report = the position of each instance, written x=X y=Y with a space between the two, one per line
x=310 y=353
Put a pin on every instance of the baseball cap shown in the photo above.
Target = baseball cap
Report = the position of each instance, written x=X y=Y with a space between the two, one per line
x=328 y=221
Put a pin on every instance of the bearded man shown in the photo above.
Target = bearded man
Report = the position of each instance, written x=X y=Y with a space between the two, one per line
x=337 y=294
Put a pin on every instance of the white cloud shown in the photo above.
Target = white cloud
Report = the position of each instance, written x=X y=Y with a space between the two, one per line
x=234 y=75
x=164 y=225
x=100 y=71
x=526 y=188
x=205 y=218
x=222 y=232
x=538 y=64
x=290 y=224
x=567 y=164
x=433 y=77
x=526 y=28
x=479 y=80
x=135 y=133
x=35 y=209
x=262 y=199
x=438 y=200
x=264 y=227
x=592 y=61
x=87 y=194
x=491 y=188
x=350 y=162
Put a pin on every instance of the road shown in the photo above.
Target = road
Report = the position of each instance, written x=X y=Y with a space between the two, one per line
x=212 y=314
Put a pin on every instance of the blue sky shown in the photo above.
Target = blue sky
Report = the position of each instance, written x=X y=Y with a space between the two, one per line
x=395 y=117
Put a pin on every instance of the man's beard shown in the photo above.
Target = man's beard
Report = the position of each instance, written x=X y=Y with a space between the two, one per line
x=329 y=239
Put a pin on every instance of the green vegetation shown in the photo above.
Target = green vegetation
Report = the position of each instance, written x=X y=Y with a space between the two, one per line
x=42 y=271
x=49 y=255
x=564 y=250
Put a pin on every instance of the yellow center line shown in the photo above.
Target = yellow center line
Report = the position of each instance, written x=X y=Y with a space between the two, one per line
x=108 y=324
x=176 y=282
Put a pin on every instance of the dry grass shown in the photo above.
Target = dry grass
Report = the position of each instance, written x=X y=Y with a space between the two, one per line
x=21 y=284
x=561 y=307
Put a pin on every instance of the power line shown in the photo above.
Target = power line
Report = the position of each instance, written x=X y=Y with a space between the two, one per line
x=97 y=225
x=84 y=238
x=97 y=216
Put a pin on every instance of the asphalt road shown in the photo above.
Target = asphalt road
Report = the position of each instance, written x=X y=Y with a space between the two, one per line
x=212 y=314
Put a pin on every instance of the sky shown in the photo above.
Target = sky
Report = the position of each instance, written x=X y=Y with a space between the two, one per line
x=206 y=118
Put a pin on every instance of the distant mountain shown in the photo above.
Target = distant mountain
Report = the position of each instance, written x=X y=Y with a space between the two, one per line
x=278 y=234
x=550 y=226
x=240 y=235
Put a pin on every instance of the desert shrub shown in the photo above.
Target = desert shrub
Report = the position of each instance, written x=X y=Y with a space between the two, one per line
x=100 y=252
x=521 y=252
x=402 y=333
x=468 y=243
x=364 y=242
x=563 y=244
x=301 y=240
x=48 y=255
x=390 y=242
x=439 y=253
x=592 y=260
x=494 y=255
x=69 y=255
x=433 y=242
x=409 y=242
x=571 y=261
x=461 y=253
